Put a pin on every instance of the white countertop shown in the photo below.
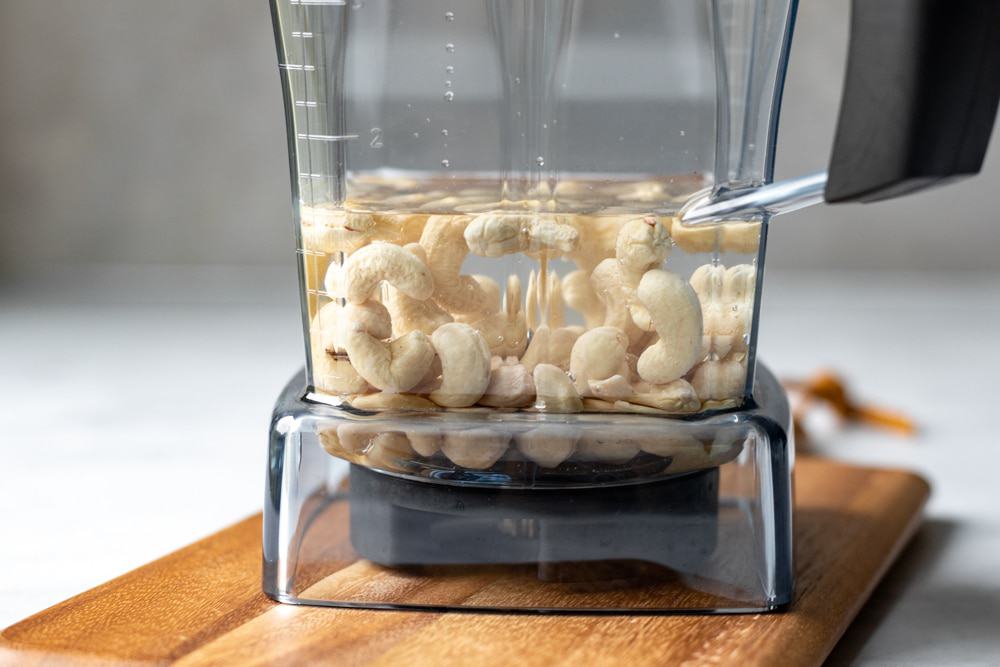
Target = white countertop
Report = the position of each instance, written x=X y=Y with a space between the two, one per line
x=135 y=406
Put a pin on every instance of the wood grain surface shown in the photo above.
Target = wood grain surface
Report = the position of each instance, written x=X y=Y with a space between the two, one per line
x=202 y=605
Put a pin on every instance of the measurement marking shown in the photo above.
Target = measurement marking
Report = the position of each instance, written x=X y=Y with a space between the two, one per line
x=303 y=35
x=312 y=176
x=310 y=104
x=297 y=68
x=335 y=3
x=327 y=137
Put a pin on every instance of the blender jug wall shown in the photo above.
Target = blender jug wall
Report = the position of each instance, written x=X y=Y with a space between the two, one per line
x=526 y=160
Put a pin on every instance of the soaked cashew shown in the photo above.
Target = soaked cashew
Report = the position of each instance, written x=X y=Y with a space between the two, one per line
x=675 y=312
x=598 y=236
x=597 y=355
x=506 y=332
x=551 y=347
x=335 y=375
x=392 y=367
x=389 y=450
x=476 y=449
x=677 y=396
x=426 y=442
x=727 y=306
x=537 y=351
x=387 y=401
x=614 y=388
x=719 y=380
x=465 y=365
x=496 y=234
x=555 y=392
x=511 y=385
x=409 y=314
x=606 y=445
x=330 y=230
x=741 y=237
x=642 y=244
x=547 y=446
x=735 y=237
x=561 y=342
x=444 y=242
x=579 y=294
x=378 y=262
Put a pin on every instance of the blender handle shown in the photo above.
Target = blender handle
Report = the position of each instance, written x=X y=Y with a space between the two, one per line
x=920 y=96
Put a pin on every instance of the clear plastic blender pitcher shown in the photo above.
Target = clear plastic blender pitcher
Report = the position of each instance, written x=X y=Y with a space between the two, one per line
x=531 y=238
x=489 y=198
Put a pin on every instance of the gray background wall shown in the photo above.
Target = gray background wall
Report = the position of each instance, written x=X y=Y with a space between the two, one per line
x=136 y=131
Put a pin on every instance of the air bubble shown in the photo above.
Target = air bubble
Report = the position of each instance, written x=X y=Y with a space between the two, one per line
x=416 y=135
x=445 y=163
x=444 y=133
x=449 y=96
x=540 y=161
x=617 y=35
x=447 y=83
x=449 y=47
x=449 y=16
x=449 y=69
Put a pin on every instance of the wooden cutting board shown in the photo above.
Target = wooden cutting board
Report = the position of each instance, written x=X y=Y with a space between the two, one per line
x=202 y=605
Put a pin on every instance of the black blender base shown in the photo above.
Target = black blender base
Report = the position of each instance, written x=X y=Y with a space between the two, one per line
x=401 y=523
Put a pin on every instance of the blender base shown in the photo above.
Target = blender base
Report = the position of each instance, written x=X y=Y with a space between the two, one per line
x=716 y=539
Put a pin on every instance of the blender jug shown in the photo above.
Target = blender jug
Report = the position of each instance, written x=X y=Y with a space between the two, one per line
x=531 y=237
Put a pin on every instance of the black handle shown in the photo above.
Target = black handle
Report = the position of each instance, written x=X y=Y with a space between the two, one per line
x=920 y=96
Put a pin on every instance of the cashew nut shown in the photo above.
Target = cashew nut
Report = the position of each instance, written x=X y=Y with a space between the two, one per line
x=642 y=244
x=597 y=355
x=335 y=375
x=333 y=230
x=551 y=347
x=511 y=385
x=614 y=388
x=607 y=445
x=392 y=367
x=476 y=449
x=555 y=392
x=580 y=295
x=735 y=237
x=537 y=351
x=720 y=380
x=496 y=233
x=426 y=442
x=389 y=450
x=561 y=342
x=444 y=242
x=409 y=314
x=598 y=235
x=378 y=262
x=727 y=306
x=546 y=446
x=675 y=312
x=465 y=365
x=506 y=332
x=387 y=401
x=676 y=396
